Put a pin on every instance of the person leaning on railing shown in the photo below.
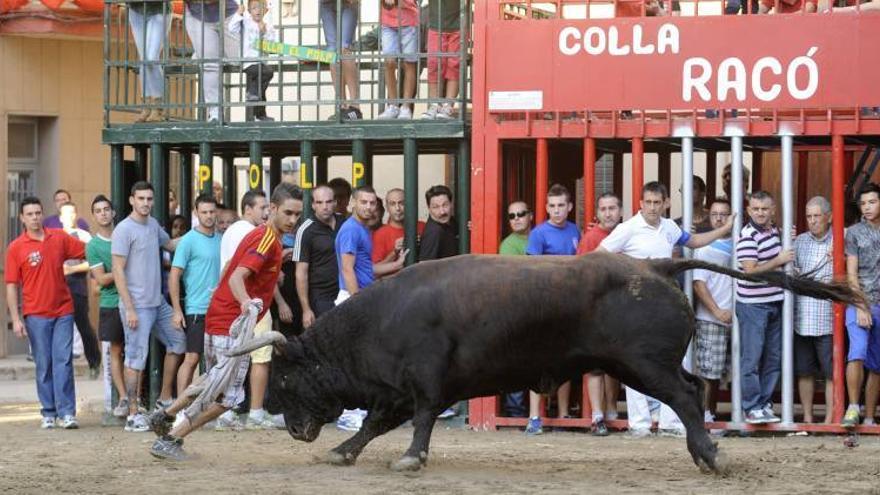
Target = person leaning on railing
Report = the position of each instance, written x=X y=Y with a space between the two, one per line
x=348 y=10
x=149 y=21
x=203 y=28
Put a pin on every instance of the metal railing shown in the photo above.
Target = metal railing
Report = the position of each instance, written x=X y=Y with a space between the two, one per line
x=198 y=60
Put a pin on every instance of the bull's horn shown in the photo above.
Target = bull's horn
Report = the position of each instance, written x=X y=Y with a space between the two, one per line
x=262 y=340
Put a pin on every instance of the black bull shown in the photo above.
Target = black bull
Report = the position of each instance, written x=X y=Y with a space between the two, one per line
x=471 y=326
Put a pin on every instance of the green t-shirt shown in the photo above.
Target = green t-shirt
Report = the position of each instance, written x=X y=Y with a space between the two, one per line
x=514 y=244
x=445 y=14
x=98 y=254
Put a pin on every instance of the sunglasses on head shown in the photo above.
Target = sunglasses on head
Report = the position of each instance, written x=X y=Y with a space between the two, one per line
x=517 y=214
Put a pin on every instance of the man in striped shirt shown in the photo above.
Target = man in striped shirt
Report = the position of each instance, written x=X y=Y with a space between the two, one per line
x=759 y=309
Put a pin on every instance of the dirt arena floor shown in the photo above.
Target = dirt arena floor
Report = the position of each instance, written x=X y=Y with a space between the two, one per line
x=95 y=459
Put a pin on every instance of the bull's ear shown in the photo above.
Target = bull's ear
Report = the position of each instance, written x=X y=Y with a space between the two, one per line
x=293 y=349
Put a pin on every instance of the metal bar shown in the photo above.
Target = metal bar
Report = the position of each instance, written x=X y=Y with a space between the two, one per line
x=541 y=179
x=117 y=179
x=358 y=157
x=322 y=171
x=159 y=179
x=638 y=172
x=140 y=162
x=802 y=189
x=306 y=175
x=464 y=195
x=255 y=169
x=788 y=298
x=736 y=203
x=274 y=171
x=838 y=205
x=711 y=174
x=589 y=180
x=230 y=182
x=411 y=188
x=687 y=200
x=186 y=184
x=206 y=168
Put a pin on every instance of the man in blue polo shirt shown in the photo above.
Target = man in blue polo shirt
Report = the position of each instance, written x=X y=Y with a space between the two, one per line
x=197 y=262
x=556 y=236
x=354 y=254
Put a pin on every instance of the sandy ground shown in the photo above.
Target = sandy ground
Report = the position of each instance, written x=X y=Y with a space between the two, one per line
x=95 y=459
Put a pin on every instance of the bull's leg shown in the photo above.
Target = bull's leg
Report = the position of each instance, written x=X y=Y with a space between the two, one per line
x=375 y=424
x=683 y=392
x=417 y=453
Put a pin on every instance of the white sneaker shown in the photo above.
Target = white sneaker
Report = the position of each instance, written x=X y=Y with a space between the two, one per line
x=260 y=421
x=431 y=112
x=445 y=112
x=868 y=422
x=68 y=423
x=611 y=415
x=351 y=420
x=178 y=419
x=47 y=423
x=137 y=424
x=448 y=413
x=228 y=421
x=278 y=421
x=391 y=112
x=405 y=113
x=121 y=409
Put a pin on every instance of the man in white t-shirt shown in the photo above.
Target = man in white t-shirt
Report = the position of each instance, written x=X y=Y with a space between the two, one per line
x=254 y=212
x=649 y=235
x=714 y=294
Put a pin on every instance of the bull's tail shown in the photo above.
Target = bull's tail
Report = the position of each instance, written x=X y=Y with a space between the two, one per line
x=838 y=291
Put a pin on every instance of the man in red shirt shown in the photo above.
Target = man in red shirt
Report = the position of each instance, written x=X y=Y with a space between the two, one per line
x=786 y=6
x=35 y=261
x=387 y=241
x=252 y=273
x=603 y=388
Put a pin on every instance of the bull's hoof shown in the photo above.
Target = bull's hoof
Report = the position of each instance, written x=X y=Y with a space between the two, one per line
x=720 y=465
x=406 y=463
x=338 y=459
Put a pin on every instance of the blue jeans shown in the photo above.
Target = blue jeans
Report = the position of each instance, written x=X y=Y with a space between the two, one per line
x=52 y=345
x=149 y=34
x=760 y=327
x=328 y=12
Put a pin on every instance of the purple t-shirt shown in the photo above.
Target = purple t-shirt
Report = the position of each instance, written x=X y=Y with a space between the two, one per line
x=53 y=222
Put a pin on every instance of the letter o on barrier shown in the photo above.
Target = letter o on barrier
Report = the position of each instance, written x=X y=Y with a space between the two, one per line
x=254 y=174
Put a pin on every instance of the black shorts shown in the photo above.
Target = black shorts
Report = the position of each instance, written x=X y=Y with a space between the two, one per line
x=812 y=356
x=320 y=306
x=110 y=326
x=195 y=334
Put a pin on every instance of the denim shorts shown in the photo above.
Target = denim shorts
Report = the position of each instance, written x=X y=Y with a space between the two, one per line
x=858 y=336
x=137 y=341
x=403 y=40
x=327 y=11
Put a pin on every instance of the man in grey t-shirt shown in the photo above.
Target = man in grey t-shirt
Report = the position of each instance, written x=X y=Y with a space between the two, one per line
x=137 y=272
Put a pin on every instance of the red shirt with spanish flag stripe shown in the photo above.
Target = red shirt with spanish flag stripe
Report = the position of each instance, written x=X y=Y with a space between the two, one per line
x=260 y=252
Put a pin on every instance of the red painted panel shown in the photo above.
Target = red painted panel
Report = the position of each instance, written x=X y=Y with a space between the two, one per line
x=10 y=5
x=526 y=55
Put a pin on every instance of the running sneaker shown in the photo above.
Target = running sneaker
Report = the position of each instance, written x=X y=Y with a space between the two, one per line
x=756 y=417
x=169 y=448
x=868 y=421
x=47 y=423
x=431 y=112
x=164 y=404
x=68 y=422
x=769 y=417
x=599 y=429
x=851 y=418
x=259 y=421
x=534 y=427
x=137 y=423
x=121 y=409
x=611 y=415
x=449 y=412
x=349 y=422
x=636 y=434
x=352 y=113
x=672 y=432
x=445 y=112
x=228 y=421
x=391 y=112
x=405 y=113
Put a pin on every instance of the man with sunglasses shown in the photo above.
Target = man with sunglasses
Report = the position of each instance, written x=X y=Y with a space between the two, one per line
x=519 y=217
x=556 y=236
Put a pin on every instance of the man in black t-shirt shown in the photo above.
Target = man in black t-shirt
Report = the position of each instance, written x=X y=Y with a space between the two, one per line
x=317 y=273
